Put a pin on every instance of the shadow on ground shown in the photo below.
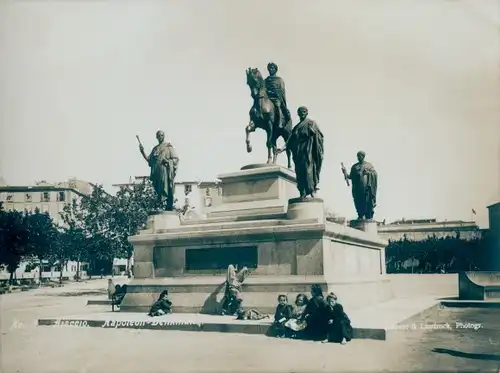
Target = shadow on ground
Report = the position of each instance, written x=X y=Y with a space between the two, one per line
x=76 y=294
x=467 y=355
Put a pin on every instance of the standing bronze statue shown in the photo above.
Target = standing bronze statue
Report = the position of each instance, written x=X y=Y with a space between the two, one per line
x=306 y=145
x=267 y=110
x=364 y=186
x=163 y=162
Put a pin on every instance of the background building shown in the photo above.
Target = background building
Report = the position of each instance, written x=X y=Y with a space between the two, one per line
x=203 y=195
x=50 y=198
x=420 y=229
x=47 y=197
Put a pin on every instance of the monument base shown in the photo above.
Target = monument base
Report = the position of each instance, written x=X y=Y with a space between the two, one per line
x=287 y=250
x=204 y=294
x=368 y=226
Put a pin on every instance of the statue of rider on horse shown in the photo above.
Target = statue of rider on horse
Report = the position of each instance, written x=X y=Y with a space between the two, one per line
x=269 y=110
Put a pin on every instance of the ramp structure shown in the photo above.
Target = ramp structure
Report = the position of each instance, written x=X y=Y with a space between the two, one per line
x=479 y=285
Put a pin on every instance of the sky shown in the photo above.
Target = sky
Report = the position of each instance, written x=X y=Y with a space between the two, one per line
x=413 y=83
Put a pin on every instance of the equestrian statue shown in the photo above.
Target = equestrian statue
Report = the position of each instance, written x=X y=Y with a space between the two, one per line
x=269 y=111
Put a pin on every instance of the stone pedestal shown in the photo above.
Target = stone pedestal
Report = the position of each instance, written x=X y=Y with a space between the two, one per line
x=307 y=208
x=285 y=242
x=367 y=226
x=256 y=191
x=162 y=220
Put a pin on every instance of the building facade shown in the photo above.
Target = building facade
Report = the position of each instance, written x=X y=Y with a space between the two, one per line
x=51 y=199
x=418 y=230
x=203 y=196
x=48 y=198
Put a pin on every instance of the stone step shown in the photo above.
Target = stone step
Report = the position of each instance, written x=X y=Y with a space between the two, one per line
x=457 y=303
x=373 y=322
x=192 y=323
x=99 y=302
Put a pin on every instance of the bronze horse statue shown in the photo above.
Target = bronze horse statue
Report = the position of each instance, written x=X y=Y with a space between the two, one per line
x=263 y=115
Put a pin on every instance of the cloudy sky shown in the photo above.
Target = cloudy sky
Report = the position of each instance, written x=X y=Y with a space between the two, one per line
x=414 y=83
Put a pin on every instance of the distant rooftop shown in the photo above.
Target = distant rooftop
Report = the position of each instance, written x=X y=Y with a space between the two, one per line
x=140 y=179
x=424 y=221
x=78 y=186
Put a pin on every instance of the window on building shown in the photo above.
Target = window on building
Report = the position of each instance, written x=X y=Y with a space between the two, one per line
x=208 y=192
x=45 y=197
x=188 y=189
x=61 y=196
x=10 y=197
x=28 y=197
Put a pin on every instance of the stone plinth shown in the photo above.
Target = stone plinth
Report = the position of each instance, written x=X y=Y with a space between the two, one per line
x=367 y=226
x=162 y=220
x=287 y=250
x=256 y=191
x=306 y=208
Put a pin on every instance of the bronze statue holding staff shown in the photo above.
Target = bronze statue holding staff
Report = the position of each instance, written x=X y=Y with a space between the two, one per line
x=163 y=162
x=364 y=186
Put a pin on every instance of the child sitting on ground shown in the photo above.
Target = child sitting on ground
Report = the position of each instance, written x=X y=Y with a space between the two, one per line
x=339 y=326
x=162 y=306
x=251 y=314
x=297 y=323
x=281 y=316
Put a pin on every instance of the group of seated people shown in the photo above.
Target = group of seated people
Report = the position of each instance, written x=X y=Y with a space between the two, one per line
x=318 y=318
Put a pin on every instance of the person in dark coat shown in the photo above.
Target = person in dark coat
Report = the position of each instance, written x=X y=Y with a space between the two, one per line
x=281 y=316
x=120 y=292
x=162 y=306
x=315 y=315
x=339 y=329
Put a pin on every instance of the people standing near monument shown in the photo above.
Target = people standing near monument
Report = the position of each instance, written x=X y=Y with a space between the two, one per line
x=163 y=162
x=277 y=94
x=364 y=186
x=306 y=145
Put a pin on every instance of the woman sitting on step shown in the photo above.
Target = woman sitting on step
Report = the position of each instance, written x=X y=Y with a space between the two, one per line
x=233 y=297
x=315 y=315
x=162 y=306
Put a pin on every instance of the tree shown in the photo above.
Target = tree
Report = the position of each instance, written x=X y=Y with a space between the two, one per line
x=14 y=240
x=131 y=208
x=42 y=236
x=87 y=223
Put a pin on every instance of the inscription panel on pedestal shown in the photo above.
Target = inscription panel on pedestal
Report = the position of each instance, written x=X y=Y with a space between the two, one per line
x=219 y=258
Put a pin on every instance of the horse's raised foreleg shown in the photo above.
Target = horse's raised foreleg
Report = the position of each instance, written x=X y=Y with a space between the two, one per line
x=248 y=130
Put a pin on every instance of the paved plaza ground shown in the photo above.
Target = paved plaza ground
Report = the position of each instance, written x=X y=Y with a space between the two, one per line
x=27 y=348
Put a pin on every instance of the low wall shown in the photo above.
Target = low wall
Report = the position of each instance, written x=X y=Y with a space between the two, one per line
x=407 y=285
